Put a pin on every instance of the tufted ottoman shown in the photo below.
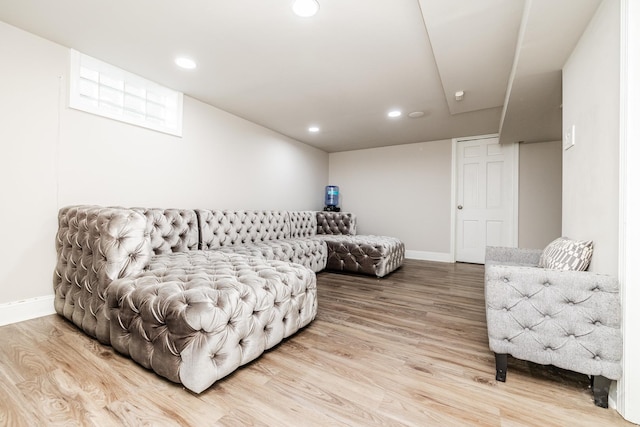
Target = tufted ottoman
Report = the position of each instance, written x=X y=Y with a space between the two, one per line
x=375 y=255
x=194 y=317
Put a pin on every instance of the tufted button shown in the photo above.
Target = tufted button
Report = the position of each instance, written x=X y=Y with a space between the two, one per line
x=546 y=316
x=546 y=284
x=505 y=309
x=597 y=323
x=596 y=357
x=527 y=329
x=505 y=280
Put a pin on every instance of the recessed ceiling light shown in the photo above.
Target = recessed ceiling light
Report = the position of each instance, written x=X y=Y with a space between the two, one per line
x=314 y=129
x=394 y=113
x=305 y=8
x=459 y=95
x=186 y=63
x=416 y=114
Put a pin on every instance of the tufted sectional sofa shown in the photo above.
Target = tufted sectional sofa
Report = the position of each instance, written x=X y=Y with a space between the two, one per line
x=194 y=294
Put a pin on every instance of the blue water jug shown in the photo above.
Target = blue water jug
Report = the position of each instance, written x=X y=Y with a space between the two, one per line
x=332 y=195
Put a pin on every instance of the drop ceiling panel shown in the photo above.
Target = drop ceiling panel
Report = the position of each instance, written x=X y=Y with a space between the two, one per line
x=549 y=34
x=474 y=46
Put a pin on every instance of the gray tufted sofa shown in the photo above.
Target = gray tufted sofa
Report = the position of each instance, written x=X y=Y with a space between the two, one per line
x=194 y=294
x=569 y=319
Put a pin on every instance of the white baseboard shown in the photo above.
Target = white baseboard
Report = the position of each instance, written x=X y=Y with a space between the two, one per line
x=429 y=256
x=18 y=311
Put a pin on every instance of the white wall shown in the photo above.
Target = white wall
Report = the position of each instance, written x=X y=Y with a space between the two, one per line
x=29 y=85
x=402 y=191
x=53 y=156
x=591 y=97
x=222 y=161
x=540 y=194
x=405 y=191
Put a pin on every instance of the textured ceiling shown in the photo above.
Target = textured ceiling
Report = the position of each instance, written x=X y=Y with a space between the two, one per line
x=343 y=69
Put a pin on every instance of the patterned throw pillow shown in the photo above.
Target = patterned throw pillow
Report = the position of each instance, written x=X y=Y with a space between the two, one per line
x=567 y=254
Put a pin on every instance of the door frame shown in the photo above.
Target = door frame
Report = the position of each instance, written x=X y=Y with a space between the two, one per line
x=454 y=189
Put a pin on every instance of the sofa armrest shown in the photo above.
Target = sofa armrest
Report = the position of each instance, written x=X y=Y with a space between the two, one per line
x=512 y=256
x=96 y=245
x=569 y=319
x=336 y=222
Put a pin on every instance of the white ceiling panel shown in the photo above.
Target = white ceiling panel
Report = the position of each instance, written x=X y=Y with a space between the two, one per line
x=550 y=31
x=341 y=70
x=474 y=45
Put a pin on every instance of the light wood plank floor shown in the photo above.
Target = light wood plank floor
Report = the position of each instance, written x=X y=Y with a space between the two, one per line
x=410 y=349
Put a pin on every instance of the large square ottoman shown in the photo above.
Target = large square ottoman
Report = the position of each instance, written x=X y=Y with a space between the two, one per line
x=194 y=317
x=375 y=255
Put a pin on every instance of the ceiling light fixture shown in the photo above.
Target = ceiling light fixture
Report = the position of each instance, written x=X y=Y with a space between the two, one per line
x=394 y=113
x=186 y=63
x=459 y=95
x=314 y=129
x=305 y=8
x=416 y=114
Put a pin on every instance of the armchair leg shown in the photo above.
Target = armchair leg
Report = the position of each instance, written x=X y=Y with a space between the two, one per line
x=501 y=367
x=600 y=387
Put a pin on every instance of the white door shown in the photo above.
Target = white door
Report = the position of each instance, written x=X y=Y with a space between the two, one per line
x=485 y=197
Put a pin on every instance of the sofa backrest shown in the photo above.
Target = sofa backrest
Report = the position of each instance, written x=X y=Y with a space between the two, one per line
x=336 y=223
x=303 y=223
x=171 y=230
x=225 y=227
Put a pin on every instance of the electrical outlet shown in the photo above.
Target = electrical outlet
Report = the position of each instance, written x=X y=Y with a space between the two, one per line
x=569 y=137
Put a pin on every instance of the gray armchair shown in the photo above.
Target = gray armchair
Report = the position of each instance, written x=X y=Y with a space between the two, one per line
x=569 y=319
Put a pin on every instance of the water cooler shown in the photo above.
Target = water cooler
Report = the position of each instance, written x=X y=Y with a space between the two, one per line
x=332 y=198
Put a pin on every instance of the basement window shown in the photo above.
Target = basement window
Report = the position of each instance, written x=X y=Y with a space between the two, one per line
x=102 y=89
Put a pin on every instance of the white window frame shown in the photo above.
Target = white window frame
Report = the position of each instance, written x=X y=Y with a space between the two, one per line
x=108 y=91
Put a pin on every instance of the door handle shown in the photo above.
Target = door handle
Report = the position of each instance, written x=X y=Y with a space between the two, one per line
x=460 y=207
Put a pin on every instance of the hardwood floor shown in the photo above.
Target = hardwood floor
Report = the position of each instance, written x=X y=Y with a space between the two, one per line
x=410 y=349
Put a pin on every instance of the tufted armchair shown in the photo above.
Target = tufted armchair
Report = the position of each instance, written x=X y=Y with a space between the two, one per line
x=569 y=319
